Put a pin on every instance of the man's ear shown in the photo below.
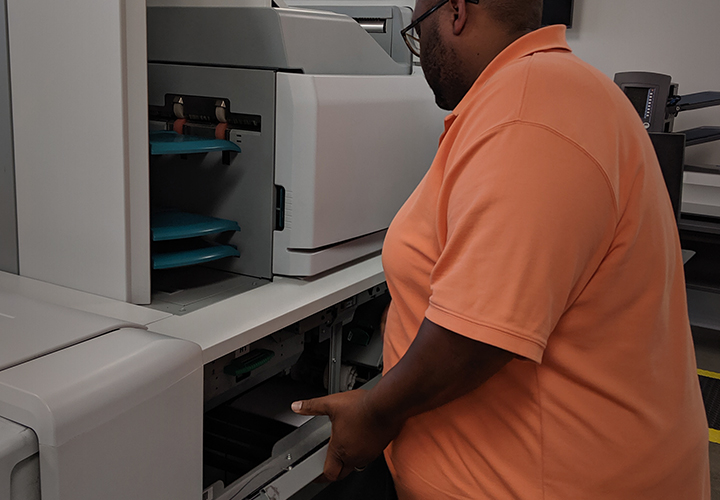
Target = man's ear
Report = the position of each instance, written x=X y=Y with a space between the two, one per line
x=460 y=19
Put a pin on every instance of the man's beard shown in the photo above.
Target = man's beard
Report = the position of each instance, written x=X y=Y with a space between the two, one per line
x=440 y=65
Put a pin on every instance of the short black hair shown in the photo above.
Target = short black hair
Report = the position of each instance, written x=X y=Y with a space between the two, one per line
x=520 y=16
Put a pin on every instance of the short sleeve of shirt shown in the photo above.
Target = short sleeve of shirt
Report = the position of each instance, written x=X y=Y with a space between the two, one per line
x=524 y=219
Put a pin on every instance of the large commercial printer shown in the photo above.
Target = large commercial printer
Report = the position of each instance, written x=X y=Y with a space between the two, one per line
x=194 y=197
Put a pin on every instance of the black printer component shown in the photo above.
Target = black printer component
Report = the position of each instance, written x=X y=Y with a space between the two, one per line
x=649 y=94
x=701 y=135
x=697 y=100
x=557 y=12
x=201 y=116
x=670 y=150
x=657 y=101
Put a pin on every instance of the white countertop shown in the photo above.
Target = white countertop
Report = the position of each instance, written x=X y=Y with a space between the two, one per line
x=227 y=325
x=74 y=299
x=235 y=322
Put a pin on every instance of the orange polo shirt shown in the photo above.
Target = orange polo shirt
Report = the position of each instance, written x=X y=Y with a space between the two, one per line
x=543 y=227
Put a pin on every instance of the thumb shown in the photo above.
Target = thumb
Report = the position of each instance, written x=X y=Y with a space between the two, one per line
x=310 y=407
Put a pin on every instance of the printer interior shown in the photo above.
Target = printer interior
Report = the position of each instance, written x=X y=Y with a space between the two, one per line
x=250 y=432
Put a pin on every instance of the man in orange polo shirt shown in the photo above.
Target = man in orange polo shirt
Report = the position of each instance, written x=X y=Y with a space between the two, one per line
x=538 y=344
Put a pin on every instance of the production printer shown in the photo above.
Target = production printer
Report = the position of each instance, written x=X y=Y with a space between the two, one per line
x=238 y=266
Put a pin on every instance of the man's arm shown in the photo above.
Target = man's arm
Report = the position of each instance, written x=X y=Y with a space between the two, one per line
x=440 y=366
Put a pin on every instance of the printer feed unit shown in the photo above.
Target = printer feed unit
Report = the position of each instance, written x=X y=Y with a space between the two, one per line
x=334 y=137
x=193 y=125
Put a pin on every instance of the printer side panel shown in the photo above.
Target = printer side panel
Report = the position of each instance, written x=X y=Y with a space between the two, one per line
x=8 y=216
x=80 y=144
x=349 y=150
x=144 y=453
x=118 y=416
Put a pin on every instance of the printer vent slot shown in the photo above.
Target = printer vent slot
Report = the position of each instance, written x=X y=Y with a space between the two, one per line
x=279 y=208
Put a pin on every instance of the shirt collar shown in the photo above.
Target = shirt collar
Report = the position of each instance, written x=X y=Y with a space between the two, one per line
x=541 y=40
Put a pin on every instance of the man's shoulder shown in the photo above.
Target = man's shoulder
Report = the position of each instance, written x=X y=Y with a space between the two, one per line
x=537 y=87
x=559 y=81
x=560 y=87
x=558 y=91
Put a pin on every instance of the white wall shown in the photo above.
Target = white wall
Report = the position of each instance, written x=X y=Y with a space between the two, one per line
x=680 y=38
x=677 y=38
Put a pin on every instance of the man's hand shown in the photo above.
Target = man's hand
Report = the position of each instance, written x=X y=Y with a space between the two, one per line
x=358 y=435
x=440 y=366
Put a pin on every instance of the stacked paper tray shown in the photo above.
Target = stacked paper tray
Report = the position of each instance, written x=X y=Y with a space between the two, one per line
x=171 y=225
x=165 y=142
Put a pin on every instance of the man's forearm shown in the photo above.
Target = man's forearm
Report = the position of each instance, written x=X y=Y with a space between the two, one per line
x=440 y=366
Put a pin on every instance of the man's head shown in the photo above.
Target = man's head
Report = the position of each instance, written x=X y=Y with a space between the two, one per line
x=459 y=40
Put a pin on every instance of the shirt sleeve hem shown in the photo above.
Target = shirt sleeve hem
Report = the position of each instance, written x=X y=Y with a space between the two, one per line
x=506 y=340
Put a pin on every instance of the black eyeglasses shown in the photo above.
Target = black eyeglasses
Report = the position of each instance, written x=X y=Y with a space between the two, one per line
x=411 y=33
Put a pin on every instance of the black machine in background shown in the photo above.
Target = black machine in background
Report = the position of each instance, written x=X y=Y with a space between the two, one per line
x=670 y=150
x=557 y=12
x=657 y=101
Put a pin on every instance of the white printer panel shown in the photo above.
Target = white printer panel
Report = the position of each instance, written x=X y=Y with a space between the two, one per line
x=116 y=411
x=350 y=150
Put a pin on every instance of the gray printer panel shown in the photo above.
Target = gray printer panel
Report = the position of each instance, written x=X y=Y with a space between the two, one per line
x=313 y=42
x=242 y=191
x=382 y=22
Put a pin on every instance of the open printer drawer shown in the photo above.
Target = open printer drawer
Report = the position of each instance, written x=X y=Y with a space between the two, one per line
x=294 y=460
x=254 y=446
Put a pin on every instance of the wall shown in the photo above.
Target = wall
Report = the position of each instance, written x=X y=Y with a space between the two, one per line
x=680 y=39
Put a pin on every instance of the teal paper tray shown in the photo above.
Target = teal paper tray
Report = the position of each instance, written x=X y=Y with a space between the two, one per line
x=193 y=257
x=165 y=142
x=174 y=225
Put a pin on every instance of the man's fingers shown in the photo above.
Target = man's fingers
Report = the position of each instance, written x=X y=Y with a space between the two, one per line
x=310 y=407
x=333 y=467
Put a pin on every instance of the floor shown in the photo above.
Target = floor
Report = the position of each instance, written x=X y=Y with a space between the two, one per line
x=715 y=470
x=707 y=352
